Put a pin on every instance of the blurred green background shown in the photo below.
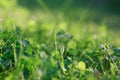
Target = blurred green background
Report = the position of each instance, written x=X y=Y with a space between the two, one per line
x=74 y=16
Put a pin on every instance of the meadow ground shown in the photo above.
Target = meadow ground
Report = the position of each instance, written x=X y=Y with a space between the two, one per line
x=59 y=40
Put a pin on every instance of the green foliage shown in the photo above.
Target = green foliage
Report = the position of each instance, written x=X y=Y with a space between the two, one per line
x=62 y=59
x=65 y=44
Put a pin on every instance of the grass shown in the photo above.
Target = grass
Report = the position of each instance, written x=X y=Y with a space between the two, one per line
x=65 y=44
x=59 y=57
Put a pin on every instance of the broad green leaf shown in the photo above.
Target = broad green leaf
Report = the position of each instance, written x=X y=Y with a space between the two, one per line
x=81 y=65
x=71 y=44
